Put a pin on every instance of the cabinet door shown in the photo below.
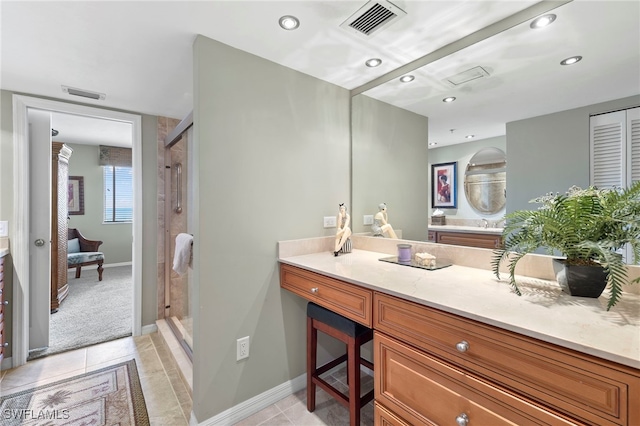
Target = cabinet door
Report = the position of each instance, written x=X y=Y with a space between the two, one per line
x=384 y=417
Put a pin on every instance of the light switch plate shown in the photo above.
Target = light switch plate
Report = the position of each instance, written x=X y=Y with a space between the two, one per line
x=4 y=228
x=329 y=221
x=368 y=219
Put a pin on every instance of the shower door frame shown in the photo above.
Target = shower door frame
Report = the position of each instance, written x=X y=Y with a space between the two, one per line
x=170 y=140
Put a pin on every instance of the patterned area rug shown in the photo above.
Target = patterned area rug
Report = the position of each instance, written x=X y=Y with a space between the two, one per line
x=110 y=396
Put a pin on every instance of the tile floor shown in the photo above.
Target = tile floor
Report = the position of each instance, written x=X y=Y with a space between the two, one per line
x=168 y=399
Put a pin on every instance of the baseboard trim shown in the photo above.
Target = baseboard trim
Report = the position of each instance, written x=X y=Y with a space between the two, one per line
x=7 y=363
x=113 y=265
x=253 y=405
x=148 y=329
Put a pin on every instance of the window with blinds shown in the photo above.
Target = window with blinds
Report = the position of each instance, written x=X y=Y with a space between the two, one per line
x=118 y=194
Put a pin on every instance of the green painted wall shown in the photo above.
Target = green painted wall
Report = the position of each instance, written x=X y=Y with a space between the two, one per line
x=116 y=238
x=462 y=153
x=273 y=155
x=550 y=153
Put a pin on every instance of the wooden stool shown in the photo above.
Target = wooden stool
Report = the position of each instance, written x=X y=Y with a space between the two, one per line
x=353 y=335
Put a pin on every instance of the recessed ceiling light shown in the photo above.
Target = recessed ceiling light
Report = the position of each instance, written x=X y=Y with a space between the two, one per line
x=433 y=143
x=373 y=62
x=407 y=78
x=470 y=136
x=570 y=61
x=449 y=99
x=289 y=22
x=542 y=21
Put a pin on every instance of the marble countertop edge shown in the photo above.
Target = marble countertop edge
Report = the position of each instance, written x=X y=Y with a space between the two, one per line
x=543 y=312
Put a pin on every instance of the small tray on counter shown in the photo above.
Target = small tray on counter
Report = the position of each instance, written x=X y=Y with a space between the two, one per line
x=440 y=263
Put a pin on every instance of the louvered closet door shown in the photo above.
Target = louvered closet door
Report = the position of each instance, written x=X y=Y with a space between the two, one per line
x=633 y=145
x=615 y=152
x=608 y=153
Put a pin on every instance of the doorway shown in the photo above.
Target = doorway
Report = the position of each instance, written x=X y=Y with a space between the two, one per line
x=23 y=234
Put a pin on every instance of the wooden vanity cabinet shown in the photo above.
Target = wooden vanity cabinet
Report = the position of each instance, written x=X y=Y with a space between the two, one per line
x=468 y=239
x=432 y=367
x=1 y=308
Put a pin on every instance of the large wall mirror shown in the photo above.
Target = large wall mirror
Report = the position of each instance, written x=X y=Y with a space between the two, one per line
x=393 y=122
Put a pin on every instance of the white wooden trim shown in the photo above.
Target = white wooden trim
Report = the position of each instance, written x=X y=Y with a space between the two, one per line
x=19 y=232
x=255 y=404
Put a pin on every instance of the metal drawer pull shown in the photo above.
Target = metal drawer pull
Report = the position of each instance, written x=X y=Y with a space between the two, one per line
x=6 y=345
x=462 y=346
x=6 y=302
x=462 y=420
x=314 y=290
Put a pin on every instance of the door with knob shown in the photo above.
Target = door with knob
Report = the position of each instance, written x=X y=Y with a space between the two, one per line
x=40 y=227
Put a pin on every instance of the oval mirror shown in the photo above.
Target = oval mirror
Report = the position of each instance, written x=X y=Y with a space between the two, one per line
x=485 y=181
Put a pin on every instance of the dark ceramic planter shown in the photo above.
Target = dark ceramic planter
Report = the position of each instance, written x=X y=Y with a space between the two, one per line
x=579 y=280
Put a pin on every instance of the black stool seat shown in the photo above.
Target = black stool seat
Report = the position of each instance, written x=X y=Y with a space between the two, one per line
x=353 y=335
x=333 y=320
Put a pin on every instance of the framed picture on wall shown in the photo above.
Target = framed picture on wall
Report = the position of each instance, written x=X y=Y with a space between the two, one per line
x=444 y=185
x=76 y=195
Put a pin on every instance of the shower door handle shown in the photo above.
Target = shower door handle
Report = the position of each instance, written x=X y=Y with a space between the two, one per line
x=179 y=187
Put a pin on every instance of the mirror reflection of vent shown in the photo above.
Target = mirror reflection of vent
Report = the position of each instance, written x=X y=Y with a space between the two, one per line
x=372 y=17
x=466 y=76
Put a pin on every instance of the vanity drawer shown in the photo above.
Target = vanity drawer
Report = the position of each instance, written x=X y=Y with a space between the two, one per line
x=469 y=239
x=588 y=388
x=384 y=417
x=346 y=299
x=425 y=390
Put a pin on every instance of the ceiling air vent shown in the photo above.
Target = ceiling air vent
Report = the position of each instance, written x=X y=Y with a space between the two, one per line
x=84 y=93
x=372 y=17
x=466 y=76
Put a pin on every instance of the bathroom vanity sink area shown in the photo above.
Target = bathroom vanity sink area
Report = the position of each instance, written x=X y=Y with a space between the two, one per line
x=471 y=236
x=456 y=343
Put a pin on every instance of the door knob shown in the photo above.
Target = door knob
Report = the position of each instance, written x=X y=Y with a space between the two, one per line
x=39 y=242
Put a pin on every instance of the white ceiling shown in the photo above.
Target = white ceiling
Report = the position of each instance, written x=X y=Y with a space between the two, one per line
x=140 y=53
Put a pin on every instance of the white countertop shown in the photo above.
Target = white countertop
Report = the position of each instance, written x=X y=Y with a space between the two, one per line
x=466 y=229
x=543 y=311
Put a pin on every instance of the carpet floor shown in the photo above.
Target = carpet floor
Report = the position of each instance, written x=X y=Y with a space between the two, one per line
x=109 y=396
x=93 y=311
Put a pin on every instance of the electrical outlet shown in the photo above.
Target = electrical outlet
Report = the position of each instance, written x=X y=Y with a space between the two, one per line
x=329 y=221
x=242 y=348
x=368 y=219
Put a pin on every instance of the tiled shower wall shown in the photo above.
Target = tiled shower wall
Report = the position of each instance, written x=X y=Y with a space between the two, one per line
x=178 y=221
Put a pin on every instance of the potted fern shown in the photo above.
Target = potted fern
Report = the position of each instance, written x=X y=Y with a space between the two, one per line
x=588 y=227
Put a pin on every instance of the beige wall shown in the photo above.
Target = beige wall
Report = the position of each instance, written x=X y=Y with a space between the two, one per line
x=272 y=150
x=116 y=238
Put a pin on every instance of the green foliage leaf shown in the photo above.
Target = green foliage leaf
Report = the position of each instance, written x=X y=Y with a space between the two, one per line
x=584 y=225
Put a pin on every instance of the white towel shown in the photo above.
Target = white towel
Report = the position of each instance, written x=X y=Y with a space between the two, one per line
x=183 y=254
